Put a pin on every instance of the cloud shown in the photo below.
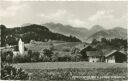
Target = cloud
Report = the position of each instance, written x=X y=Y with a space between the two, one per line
x=64 y=17
x=17 y=13
x=104 y=18
x=11 y=10
x=56 y=16
x=14 y=13
x=107 y=19
x=77 y=23
x=101 y=15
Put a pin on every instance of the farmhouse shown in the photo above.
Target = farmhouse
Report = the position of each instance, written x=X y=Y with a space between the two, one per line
x=104 y=55
x=95 y=56
x=84 y=51
x=116 y=56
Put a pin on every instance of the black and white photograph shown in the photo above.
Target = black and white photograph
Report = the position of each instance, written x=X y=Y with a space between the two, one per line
x=63 y=40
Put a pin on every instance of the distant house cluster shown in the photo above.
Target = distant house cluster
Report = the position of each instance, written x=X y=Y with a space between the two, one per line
x=108 y=56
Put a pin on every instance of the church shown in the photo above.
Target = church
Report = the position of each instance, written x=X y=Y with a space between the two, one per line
x=21 y=48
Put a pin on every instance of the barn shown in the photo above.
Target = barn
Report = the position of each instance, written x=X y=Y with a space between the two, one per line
x=116 y=56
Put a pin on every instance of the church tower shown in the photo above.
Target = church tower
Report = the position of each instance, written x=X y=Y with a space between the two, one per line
x=21 y=46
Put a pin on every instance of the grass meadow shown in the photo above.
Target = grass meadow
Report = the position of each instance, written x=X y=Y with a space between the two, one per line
x=65 y=71
x=63 y=65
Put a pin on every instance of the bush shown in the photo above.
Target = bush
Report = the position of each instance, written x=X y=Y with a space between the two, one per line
x=7 y=56
x=65 y=58
x=11 y=73
x=66 y=49
x=21 y=59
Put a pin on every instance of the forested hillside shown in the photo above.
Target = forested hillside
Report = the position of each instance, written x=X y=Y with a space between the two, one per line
x=31 y=32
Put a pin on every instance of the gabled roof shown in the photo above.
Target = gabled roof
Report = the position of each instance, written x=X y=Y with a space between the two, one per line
x=88 y=48
x=113 y=51
x=110 y=53
x=94 y=53
x=124 y=51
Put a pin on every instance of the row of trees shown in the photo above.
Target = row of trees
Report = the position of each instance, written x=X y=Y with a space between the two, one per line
x=115 y=43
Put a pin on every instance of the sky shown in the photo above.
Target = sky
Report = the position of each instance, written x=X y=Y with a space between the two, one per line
x=75 y=13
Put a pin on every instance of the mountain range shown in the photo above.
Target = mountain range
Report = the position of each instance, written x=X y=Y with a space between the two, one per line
x=58 y=31
x=84 y=34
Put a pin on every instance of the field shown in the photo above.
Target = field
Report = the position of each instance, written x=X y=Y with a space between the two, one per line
x=62 y=65
x=63 y=71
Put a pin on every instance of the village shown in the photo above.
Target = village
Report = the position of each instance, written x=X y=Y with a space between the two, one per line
x=60 y=52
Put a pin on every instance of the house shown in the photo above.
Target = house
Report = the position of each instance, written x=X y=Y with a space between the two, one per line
x=116 y=56
x=84 y=52
x=95 y=56
x=104 y=55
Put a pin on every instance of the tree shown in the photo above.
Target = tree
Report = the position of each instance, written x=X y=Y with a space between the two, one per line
x=7 y=56
x=75 y=51
x=66 y=49
x=103 y=40
x=94 y=42
x=3 y=35
x=76 y=57
x=16 y=48
x=30 y=55
x=55 y=57
x=35 y=57
x=47 y=52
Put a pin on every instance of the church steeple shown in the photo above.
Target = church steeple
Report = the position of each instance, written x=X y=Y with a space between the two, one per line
x=21 y=46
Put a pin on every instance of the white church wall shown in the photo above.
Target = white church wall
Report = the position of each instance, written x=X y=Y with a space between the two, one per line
x=21 y=46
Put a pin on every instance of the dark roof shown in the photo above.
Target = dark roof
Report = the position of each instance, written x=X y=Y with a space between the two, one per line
x=88 y=48
x=106 y=51
x=124 y=51
x=94 y=53
x=113 y=51
x=110 y=53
